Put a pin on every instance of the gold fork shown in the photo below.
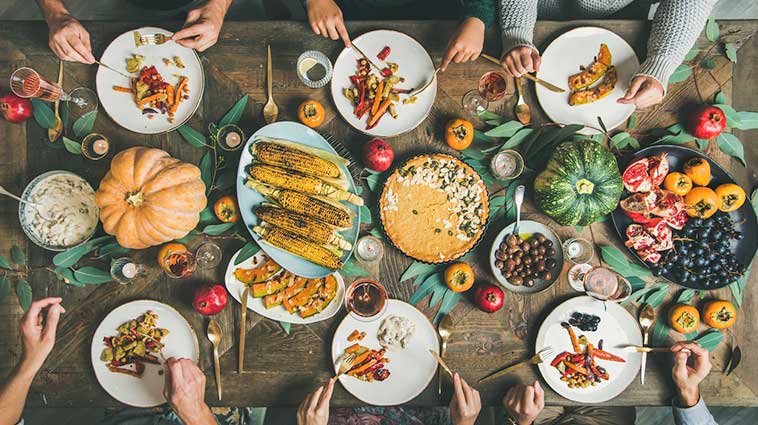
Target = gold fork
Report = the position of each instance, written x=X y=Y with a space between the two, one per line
x=346 y=363
x=155 y=39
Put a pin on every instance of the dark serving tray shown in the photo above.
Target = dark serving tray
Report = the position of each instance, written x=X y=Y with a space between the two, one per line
x=744 y=249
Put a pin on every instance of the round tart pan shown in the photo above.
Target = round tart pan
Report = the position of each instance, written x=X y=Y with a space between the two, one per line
x=486 y=206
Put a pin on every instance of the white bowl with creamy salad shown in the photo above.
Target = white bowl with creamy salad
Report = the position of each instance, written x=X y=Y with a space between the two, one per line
x=68 y=203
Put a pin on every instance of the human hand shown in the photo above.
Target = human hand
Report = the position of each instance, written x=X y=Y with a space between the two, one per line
x=68 y=39
x=202 y=26
x=314 y=410
x=326 y=20
x=37 y=340
x=466 y=44
x=643 y=92
x=520 y=60
x=686 y=377
x=466 y=403
x=524 y=402
x=184 y=389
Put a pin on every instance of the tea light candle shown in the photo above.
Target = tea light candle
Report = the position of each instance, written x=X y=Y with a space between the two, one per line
x=369 y=248
x=100 y=146
x=129 y=270
x=232 y=139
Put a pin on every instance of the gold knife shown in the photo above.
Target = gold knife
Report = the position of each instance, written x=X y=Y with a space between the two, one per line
x=535 y=359
x=441 y=362
x=112 y=69
x=55 y=131
x=544 y=83
x=366 y=57
x=243 y=328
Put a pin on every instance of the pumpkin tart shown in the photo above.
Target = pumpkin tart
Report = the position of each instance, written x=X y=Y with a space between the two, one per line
x=434 y=208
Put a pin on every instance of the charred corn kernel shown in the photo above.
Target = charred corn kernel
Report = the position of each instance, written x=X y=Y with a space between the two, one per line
x=302 y=225
x=295 y=159
x=292 y=180
x=326 y=211
x=299 y=246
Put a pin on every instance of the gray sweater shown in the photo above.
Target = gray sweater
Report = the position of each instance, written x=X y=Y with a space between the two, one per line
x=676 y=26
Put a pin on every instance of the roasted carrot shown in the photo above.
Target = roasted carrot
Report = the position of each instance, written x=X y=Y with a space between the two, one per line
x=178 y=95
x=170 y=100
x=362 y=358
x=353 y=348
x=122 y=89
x=574 y=341
x=377 y=98
x=362 y=368
x=577 y=368
x=153 y=98
x=382 y=109
x=354 y=335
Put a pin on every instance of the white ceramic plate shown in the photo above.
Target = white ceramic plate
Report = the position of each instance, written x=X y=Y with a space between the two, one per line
x=415 y=65
x=617 y=329
x=236 y=288
x=564 y=56
x=248 y=199
x=526 y=229
x=411 y=369
x=146 y=391
x=121 y=107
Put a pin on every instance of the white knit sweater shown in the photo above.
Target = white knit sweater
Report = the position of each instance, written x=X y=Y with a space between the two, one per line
x=676 y=26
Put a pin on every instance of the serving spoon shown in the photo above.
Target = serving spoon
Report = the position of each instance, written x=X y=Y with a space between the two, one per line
x=214 y=335
x=445 y=329
x=37 y=206
x=518 y=197
x=647 y=318
x=270 y=110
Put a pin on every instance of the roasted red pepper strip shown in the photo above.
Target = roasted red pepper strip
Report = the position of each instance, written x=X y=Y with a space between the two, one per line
x=577 y=358
x=600 y=354
x=576 y=368
x=559 y=358
x=386 y=72
x=384 y=53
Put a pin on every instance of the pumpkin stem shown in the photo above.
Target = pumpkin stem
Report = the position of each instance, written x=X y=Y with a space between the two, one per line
x=584 y=186
x=134 y=198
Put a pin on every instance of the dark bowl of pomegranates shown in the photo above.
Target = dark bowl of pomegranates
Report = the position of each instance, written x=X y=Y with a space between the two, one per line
x=685 y=218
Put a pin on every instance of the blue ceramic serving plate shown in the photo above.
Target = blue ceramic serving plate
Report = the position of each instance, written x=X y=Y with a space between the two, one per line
x=248 y=199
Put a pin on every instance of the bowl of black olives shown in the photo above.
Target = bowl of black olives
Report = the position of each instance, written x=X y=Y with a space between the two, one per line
x=528 y=262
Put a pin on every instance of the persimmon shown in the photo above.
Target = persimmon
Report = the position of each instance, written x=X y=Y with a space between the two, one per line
x=311 y=113
x=678 y=183
x=699 y=170
x=702 y=202
x=684 y=318
x=719 y=314
x=731 y=197
x=459 y=277
x=226 y=209
x=459 y=134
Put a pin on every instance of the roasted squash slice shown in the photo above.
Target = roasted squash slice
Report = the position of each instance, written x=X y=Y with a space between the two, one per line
x=592 y=73
x=259 y=274
x=600 y=91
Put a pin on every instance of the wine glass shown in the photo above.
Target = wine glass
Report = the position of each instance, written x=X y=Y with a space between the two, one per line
x=366 y=299
x=26 y=82
x=179 y=264
x=208 y=255
x=473 y=103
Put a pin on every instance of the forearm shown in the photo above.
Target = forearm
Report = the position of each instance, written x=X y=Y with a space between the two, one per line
x=517 y=19
x=198 y=416
x=692 y=414
x=484 y=10
x=221 y=4
x=676 y=26
x=52 y=9
x=13 y=393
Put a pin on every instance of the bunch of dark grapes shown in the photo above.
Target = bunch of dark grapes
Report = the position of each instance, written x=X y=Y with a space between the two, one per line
x=702 y=253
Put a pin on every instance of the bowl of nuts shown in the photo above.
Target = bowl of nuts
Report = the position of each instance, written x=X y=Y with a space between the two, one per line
x=528 y=262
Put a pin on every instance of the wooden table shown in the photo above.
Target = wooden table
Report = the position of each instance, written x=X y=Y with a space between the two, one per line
x=282 y=368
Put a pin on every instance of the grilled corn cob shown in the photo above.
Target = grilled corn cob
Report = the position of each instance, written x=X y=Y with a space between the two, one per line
x=323 y=209
x=302 y=225
x=286 y=156
x=287 y=179
x=299 y=246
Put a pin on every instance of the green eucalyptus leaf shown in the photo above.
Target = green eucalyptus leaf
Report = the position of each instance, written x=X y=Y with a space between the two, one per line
x=712 y=29
x=376 y=232
x=747 y=120
x=71 y=256
x=188 y=237
x=206 y=170
x=731 y=145
x=4 y=263
x=72 y=146
x=84 y=124
x=632 y=121
x=372 y=180
x=732 y=118
x=24 y=293
x=226 y=179
x=681 y=73
x=738 y=287
x=431 y=283
x=655 y=298
x=217 y=229
x=235 y=112
x=517 y=138
x=366 y=215
x=353 y=268
x=487 y=115
x=660 y=333
x=92 y=276
x=692 y=54
x=473 y=152
x=731 y=52
x=448 y=302
x=415 y=269
x=437 y=296
x=506 y=129
x=192 y=136
x=43 y=113
x=710 y=339
x=17 y=255
x=707 y=63
x=618 y=261
x=702 y=143
x=68 y=276
x=248 y=250
x=5 y=287
x=719 y=98
x=685 y=296
x=286 y=326
x=207 y=215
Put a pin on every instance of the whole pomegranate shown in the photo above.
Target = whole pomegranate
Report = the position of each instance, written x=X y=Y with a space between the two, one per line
x=15 y=109
x=706 y=122
x=378 y=155
x=210 y=299
x=489 y=298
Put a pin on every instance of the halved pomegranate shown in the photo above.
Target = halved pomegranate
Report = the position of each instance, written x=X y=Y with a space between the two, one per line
x=677 y=221
x=636 y=178
x=638 y=207
x=667 y=204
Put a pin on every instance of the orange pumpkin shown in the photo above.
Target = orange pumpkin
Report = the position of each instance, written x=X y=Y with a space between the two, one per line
x=678 y=183
x=699 y=170
x=459 y=277
x=459 y=134
x=149 y=198
x=226 y=209
x=731 y=197
x=684 y=318
x=702 y=202
x=311 y=113
x=719 y=314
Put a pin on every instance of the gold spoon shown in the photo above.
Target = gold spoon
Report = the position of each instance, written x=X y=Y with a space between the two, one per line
x=523 y=114
x=270 y=110
x=647 y=318
x=214 y=335
x=551 y=87
x=55 y=131
x=445 y=329
x=37 y=206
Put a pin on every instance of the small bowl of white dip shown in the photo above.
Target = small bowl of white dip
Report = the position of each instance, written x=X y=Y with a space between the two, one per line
x=68 y=201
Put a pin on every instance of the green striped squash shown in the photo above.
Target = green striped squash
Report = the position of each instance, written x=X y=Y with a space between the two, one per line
x=580 y=183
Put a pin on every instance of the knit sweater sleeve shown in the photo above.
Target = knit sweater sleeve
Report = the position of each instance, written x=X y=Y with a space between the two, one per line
x=676 y=26
x=484 y=10
x=517 y=19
